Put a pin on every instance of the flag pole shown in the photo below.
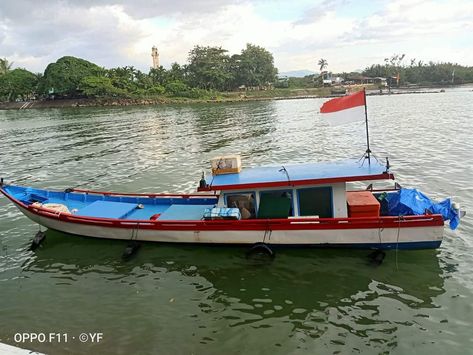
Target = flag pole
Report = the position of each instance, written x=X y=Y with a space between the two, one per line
x=368 y=151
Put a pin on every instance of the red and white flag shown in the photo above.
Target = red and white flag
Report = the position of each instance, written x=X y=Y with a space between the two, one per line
x=346 y=109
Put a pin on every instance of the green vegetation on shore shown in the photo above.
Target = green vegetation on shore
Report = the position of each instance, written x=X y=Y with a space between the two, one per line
x=420 y=73
x=410 y=73
x=209 y=71
x=210 y=74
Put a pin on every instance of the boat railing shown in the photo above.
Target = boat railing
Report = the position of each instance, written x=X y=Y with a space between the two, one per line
x=151 y=195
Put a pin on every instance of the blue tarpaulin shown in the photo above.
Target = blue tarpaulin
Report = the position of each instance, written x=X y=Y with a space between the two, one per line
x=412 y=202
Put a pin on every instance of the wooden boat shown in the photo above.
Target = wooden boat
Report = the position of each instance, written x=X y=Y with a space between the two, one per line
x=304 y=204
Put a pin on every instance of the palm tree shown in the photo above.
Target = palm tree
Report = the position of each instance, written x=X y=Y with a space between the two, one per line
x=322 y=64
x=158 y=75
x=5 y=66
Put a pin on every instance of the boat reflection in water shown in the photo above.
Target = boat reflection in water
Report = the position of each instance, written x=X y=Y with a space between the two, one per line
x=184 y=298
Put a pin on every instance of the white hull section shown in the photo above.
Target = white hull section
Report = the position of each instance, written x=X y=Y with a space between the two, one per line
x=322 y=237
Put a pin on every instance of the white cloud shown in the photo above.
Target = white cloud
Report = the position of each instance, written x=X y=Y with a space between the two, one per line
x=231 y=27
x=404 y=20
x=102 y=34
x=293 y=45
x=118 y=32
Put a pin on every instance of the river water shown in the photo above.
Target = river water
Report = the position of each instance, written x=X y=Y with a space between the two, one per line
x=212 y=300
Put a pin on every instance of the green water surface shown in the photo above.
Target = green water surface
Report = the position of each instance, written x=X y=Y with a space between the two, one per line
x=175 y=299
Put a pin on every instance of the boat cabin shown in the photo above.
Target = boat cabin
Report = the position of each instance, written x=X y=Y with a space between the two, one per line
x=314 y=190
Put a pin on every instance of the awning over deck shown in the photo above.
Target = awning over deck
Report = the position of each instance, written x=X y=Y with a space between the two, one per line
x=299 y=175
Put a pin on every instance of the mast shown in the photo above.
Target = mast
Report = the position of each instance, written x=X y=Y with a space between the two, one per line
x=368 y=151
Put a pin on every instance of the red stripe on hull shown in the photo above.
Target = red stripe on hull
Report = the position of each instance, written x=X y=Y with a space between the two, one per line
x=242 y=225
x=255 y=224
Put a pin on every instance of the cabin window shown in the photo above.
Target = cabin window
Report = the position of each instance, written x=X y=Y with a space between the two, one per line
x=244 y=201
x=316 y=201
x=275 y=204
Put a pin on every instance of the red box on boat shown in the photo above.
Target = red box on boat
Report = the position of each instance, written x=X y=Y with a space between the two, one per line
x=362 y=204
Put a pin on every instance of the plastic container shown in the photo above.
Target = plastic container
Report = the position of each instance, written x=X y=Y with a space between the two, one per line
x=362 y=204
x=221 y=213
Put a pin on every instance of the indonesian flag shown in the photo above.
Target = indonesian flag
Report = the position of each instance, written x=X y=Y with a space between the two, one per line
x=346 y=109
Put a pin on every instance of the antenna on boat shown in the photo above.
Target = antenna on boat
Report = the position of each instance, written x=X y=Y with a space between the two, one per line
x=368 y=151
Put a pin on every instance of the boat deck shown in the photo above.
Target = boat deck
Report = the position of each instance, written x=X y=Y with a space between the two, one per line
x=119 y=207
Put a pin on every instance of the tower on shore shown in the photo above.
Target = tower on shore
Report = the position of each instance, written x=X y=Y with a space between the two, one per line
x=155 y=55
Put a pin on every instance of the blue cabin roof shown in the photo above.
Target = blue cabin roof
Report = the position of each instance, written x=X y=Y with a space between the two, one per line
x=299 y=174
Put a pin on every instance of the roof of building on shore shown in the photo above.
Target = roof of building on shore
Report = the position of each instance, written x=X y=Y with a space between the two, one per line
x=300 y=175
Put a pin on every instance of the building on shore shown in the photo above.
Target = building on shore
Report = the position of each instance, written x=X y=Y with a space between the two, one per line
x=359 y=79
x=155 y=55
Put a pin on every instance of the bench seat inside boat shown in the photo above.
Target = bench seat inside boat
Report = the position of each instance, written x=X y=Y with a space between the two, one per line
x=107 y=209
x=184 y=212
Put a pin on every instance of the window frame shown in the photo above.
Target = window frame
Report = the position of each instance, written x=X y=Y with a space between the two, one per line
x=314 y=188
x=225 y=195
x=291 y=191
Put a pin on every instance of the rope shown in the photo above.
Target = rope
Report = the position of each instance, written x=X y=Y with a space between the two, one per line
x=379 y=233
x=268 y=229
x=134 y=232
x=213 y=174
x=397 y=239
x=39 y=223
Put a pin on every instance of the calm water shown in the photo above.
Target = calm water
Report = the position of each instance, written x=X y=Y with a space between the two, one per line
x=203 y=300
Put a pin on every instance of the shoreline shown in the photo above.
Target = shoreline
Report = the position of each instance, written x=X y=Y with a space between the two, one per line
x=234 y=97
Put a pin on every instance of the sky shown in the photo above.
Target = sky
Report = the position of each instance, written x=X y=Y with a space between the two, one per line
x=349 y=34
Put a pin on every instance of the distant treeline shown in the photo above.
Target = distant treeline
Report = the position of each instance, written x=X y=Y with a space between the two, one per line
x=409 y=72
x=209 y=70
x=418 y=72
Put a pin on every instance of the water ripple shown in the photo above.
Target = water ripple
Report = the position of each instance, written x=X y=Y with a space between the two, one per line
x=183 y=299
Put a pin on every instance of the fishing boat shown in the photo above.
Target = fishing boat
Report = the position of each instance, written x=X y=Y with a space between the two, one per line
x=300 y=204
x=310 y=204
